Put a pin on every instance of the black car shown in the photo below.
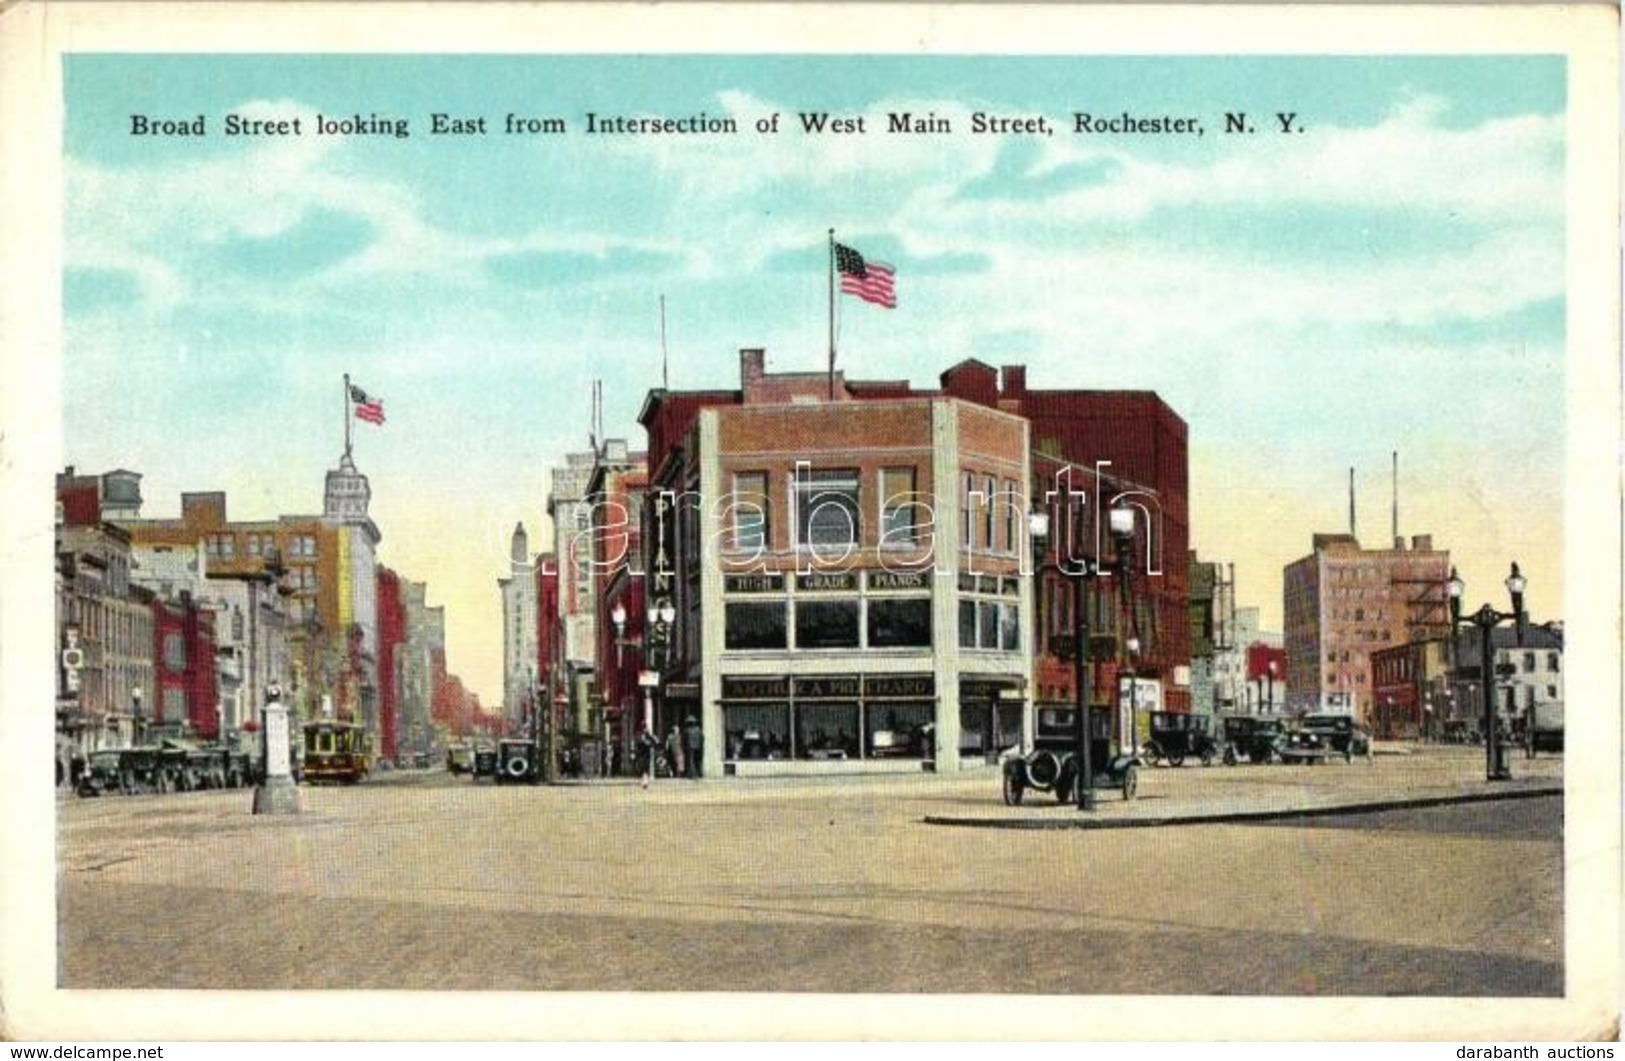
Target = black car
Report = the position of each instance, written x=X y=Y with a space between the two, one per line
x=485 y=763
x=518 y=761
x=1053 y=765
x=1176 y=736
x=1340 y=734
x=1258 y=740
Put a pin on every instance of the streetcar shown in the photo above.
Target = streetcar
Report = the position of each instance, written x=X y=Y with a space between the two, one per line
x=335 y=751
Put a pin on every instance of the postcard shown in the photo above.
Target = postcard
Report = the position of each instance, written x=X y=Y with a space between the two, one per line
x=840 y=521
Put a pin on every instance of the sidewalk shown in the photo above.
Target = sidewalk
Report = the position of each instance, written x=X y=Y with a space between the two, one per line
x=1192 y=795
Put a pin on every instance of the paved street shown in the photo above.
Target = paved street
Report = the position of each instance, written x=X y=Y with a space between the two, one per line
x=421 y=881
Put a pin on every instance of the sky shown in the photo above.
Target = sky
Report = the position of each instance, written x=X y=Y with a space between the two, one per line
x=1391 y=278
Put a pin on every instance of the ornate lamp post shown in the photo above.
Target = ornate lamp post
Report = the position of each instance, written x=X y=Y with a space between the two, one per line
x=1081 y=571
x=1486 y=619
x=655 y=643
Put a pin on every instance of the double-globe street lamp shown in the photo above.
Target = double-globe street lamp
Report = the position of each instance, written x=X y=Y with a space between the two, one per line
x=655 y=645
x=1081 y=569
x=1486 y=619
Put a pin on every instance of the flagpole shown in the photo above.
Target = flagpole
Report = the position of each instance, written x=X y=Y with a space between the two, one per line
x=346 y=416
x=832 y=314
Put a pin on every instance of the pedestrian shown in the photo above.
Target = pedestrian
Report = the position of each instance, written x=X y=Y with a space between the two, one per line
x=674 y=751
x=649 y=746
x=693 y=742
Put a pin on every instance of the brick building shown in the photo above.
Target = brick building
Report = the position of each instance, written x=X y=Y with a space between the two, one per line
x=615 y=494
x=847 y=559
x=1341 y=603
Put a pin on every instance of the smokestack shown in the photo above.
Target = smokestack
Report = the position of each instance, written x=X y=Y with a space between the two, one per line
x=1352 y=534
x=1396 y=495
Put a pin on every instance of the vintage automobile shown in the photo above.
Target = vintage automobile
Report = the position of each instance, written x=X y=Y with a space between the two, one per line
x=1052 y=766
x=103 y=773
x=1252 y=738
x=1340 y=734
x=484 y=761
x=1176 y=736
x=460 y=759
x=518 y=761
x=1302 y=747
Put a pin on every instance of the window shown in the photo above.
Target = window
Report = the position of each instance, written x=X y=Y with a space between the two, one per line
x=827 y=510
x=900 y=622
x=988 y=624
x=1011 y=512
x=827 y=624
x=750 y=508
x=827 y=731
x=1552 y=661
x=754 y=625
x=967 y=510
x=1529 y=662
x=899 y=514
x=990 y=486
x=757 y=731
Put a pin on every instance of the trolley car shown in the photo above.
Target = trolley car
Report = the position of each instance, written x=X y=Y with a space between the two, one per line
x=335 y=751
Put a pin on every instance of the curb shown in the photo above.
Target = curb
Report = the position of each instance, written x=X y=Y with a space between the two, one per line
x=1244 y=816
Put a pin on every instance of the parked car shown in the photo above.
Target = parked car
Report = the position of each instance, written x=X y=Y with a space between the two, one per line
x=1301 y=746
x=1053 y=765
x=1340 y=734
x=459 y=759
x=1252 y=738
x=1176 y=736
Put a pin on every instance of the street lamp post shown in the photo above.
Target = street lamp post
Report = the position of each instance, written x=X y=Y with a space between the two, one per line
x=654 y=645
x=137 y=723
x=1486 y=619
x=1122 y=527
x=1270 y=669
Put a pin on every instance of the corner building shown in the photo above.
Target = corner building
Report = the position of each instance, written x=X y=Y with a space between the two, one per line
x=845 y=562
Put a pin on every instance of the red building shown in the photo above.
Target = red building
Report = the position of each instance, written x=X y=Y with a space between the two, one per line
x=187 y=691
x=1266 y=679
x=391 y=657
x=616 y=496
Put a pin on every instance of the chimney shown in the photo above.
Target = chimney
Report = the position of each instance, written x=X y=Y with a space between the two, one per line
x=1015 y=381
x=750 y=364
x=1422 y=543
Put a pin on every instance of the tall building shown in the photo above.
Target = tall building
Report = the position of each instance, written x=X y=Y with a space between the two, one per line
x=574 y=670
x=106 y=673
x=345 y=503
x=417 y=729
x=616 y=493
x=519 y=665
x=1343 y=602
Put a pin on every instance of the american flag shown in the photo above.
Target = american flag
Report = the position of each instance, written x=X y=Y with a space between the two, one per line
x=868 y=280
x=369 y=409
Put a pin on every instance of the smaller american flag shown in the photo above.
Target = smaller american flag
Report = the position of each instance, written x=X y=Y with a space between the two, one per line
x=369 y=409
x=868 y=280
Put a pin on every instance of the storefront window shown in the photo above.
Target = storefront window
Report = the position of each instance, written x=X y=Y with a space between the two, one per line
x=898 y=731
x=827 y=624
x=826 y=731
x=754 y=625
x=757 y=731
x=900 y=623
